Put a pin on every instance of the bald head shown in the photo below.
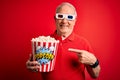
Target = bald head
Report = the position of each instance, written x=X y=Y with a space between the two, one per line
x=67 y=6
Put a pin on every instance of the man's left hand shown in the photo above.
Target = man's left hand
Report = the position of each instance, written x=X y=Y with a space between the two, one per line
x=85 y=57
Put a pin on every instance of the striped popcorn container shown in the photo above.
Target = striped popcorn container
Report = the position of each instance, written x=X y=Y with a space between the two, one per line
x=44 y=51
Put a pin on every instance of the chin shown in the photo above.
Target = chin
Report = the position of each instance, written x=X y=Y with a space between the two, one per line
x=64 y=31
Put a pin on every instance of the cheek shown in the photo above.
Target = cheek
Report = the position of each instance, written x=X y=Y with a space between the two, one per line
x=58 y=22
x=72 y=24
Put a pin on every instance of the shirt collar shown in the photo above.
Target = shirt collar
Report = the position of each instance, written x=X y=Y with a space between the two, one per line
x=57 y=37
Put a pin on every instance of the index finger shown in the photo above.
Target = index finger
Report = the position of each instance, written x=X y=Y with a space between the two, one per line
x=75 y=50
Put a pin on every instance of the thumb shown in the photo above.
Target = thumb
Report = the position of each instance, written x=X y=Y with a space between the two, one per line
x=31 y=57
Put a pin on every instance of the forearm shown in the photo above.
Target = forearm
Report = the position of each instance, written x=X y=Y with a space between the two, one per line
x=94 y=72
x=91 y=62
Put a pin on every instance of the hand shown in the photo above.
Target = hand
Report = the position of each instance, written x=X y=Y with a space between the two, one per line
x=32 y=65
x=85 y=57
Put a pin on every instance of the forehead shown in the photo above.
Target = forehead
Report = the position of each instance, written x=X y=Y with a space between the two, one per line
x=66 y=10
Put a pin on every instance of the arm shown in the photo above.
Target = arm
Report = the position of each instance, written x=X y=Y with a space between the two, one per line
x=89 y=60
x=94 y=72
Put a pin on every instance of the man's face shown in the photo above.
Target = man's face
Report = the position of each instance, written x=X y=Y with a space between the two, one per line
x=65 y=24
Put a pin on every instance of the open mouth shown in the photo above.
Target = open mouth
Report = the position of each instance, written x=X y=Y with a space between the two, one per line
x=63 y=26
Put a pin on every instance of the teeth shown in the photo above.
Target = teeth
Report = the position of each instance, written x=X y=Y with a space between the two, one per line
x=63 y=25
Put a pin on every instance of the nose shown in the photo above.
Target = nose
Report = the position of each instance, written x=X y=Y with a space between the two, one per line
x=64 y=20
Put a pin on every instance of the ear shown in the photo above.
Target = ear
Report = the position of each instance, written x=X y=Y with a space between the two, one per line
x=54 y=18
x=75 y=19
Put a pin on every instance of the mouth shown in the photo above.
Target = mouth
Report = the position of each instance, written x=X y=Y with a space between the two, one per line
x=63 y=25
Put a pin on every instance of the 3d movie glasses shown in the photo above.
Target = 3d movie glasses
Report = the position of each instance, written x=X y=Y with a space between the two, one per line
x=66 y=16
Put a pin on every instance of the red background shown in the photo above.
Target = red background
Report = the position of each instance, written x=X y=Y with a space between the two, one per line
x=20 y=20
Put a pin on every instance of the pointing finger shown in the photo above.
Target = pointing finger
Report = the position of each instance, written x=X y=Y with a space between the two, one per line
x=75 y=50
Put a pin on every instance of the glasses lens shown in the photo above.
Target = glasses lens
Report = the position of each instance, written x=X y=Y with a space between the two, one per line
x=60 y=16
x=70 y=17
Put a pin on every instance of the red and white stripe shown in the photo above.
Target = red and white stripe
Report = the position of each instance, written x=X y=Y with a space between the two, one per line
x=50 y=65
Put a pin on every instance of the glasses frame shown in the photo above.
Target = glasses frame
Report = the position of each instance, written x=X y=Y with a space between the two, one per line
x=65 y=16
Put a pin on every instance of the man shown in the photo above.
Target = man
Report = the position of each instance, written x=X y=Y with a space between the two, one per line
x=74 y=52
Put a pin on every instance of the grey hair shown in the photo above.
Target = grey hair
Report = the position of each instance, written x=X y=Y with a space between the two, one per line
x=68 y=4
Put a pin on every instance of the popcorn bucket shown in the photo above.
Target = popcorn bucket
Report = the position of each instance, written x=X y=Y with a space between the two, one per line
x=44 y=51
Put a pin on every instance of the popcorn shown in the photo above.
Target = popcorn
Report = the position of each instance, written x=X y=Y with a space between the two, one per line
x=44 y=49
x=45 y=39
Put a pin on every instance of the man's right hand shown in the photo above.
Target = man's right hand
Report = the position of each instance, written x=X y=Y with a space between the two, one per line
x=32 y=65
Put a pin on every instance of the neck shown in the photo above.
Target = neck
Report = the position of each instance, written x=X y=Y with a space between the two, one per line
x=64 y=35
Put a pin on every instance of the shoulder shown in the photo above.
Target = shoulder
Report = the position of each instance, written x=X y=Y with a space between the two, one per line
x=83 y=42
x=80 y=38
